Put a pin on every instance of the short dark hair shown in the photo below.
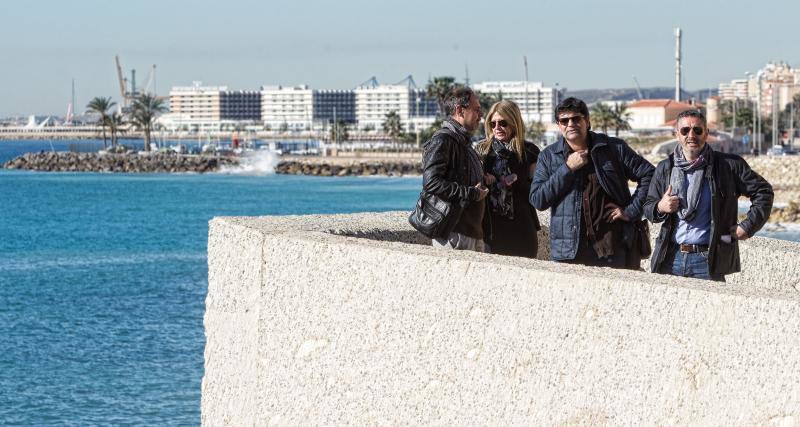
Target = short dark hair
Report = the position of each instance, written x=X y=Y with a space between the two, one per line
x=573 y=105
x=691 y=113
x=458 y=96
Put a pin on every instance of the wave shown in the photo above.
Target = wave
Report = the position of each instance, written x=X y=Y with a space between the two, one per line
x=40 y=262
x=258 y=163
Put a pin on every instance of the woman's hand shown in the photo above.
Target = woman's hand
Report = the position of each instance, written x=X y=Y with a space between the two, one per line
x=489 y=179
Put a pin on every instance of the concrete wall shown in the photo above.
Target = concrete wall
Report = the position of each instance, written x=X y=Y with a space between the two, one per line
x=352 y=319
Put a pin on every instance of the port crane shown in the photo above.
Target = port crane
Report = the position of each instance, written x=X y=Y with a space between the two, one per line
x=127 y=95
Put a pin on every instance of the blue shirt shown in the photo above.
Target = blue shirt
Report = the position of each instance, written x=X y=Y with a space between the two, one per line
x=698 y=230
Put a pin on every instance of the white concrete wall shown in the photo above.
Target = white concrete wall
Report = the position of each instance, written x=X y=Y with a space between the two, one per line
x=342 y=319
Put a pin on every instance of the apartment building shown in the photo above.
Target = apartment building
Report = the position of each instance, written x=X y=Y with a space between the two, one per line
x=536 y=102
x=209 y=108
x=773 y=86
x=329 y=106
x=374 y=102
x=287 y=107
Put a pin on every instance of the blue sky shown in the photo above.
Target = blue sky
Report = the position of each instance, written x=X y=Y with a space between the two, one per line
x=244 y=44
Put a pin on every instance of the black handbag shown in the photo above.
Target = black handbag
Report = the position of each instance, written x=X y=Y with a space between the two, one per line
x=435 y=217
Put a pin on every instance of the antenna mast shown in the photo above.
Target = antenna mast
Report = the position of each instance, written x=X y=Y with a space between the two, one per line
x=677 y=64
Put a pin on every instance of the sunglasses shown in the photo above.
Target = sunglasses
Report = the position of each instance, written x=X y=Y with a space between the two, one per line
x=697 y=130
x=501 y=123
x=564 y=121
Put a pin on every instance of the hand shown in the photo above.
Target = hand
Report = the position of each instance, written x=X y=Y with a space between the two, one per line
x=509 y=180
x=615 y=213
x=738 y=233
x=578 y=159
x=668 y=202
x=482 y=190
x=489 y=179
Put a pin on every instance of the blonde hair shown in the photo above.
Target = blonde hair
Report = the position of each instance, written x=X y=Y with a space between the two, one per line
x=510 y=111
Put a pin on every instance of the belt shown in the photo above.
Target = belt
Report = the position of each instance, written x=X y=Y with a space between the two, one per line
x=693 y=248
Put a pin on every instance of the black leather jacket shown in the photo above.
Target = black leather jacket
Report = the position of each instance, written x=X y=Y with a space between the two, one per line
x=445 y=167
x=729 y=177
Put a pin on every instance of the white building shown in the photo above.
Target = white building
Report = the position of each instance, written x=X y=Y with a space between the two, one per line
x=209 y=108
x=656 y=114
x=287 y=107
x=736 y=89
x=536 y=102
x=374 y=102
x=773 y=86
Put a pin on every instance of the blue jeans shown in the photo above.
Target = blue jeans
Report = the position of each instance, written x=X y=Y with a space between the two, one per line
x=694 y=265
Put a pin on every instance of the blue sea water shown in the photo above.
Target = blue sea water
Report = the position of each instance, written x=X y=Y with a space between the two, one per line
x=103 y=280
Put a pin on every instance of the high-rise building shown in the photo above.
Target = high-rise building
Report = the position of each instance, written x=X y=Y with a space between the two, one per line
x=773 y=86
x=536 y=102
x=329 y=106
x=373 y=102
x=736 y=89
x=210 y=108
x=287 y=107
x=240 y=105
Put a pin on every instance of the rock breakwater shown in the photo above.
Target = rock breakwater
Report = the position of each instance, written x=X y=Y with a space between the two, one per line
x=127 y=162
x=365 y=168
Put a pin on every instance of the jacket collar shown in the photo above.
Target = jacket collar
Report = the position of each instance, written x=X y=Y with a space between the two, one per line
x=457 y=128
x=595 y=140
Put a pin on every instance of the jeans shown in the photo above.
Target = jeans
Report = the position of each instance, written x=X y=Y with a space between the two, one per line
x=694 y=265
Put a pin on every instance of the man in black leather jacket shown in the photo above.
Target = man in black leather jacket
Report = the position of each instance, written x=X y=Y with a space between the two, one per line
x=695 y=192
x=452 y=170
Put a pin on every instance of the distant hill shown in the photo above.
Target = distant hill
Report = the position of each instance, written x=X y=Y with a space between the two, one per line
x=590 y=96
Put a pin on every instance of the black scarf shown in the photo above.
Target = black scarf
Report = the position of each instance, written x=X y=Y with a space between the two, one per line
x=501 y=196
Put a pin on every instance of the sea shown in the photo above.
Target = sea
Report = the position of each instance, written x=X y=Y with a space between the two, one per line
x=103 y=279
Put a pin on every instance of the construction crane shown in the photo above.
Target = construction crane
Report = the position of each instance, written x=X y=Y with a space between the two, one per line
x=128 y=95
x=409 y=81
x=638 y=88
x=370 y=82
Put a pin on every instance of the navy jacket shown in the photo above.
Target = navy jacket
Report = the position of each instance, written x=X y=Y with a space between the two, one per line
x=554 y=187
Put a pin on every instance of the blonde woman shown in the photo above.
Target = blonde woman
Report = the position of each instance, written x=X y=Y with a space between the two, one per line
x=511 y=223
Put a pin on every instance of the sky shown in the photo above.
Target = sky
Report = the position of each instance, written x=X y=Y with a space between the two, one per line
x=244 y=44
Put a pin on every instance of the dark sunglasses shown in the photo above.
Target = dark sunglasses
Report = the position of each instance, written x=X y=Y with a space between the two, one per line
x=564 y=121
x=501 y=123
x=697 y=130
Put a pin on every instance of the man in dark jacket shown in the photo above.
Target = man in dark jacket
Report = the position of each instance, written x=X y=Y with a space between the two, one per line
x=451 y=169
x=583 y=179
x=695 y=193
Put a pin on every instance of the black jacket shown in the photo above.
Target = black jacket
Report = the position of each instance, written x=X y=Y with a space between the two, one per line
x=729 y=176
x=446 y=173
x=555 y=187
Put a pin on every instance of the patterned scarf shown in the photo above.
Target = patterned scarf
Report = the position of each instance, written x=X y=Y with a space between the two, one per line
x=501 y=196
x=689 y=197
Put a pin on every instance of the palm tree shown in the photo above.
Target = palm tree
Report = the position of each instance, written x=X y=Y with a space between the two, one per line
x=534 y=131
x=439 y=88
x=115 y=122
x=392 y=125
x=100 y=105
x=621 y=117
x=144 y=112
x=602 y=116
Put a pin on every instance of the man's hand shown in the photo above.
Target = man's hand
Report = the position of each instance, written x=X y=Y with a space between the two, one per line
x=738 y=233
x=615 y=213
x=482 y=190
x=578 y=159
x=668 y=202
x=489 y=179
